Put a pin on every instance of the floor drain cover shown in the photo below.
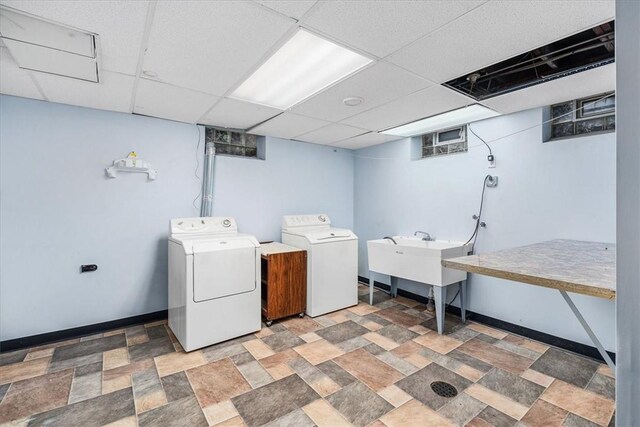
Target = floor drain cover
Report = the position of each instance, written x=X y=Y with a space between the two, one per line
x=444 y=389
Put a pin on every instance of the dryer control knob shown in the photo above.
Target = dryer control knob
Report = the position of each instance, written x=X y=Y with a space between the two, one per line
x=226 y=223
x=322 y=218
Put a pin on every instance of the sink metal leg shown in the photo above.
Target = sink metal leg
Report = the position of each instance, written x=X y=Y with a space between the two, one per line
x=371 y=281
x=394 y=286
x=589 y=332
x=463 y=301
x=440 y=294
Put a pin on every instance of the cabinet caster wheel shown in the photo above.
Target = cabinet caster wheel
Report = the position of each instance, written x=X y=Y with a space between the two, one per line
x=269 y=323
x=301 y=315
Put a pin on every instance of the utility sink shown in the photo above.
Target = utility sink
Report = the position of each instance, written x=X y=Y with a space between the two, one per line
x=415 y=259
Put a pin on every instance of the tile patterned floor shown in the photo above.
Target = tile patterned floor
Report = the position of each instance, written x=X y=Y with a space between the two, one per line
x=363 y=366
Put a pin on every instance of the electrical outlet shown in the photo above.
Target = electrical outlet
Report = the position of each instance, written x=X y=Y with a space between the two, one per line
x=492 y=160
x=492 y=181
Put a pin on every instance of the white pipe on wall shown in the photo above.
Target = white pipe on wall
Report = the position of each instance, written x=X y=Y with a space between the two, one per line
x=207 y=182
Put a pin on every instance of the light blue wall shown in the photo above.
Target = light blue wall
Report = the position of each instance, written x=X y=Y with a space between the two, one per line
x=58 y=210
x=562 y=189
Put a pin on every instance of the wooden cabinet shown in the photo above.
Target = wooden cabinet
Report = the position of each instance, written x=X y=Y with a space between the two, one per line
x=284 y=281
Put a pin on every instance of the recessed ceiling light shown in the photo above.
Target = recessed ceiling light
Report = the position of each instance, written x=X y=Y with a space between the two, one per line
x=352 y=101
x=303 y=66
x=458 y=117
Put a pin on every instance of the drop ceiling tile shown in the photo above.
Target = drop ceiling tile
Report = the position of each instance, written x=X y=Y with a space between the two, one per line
x=425 y=103
x=13 y=80
x=330 y=134
x=112 y=93
x=210 y=45
x=288 y=126
x=378 y=84
x=119 y=24
x=170 y=102
x=381 y=27
x=231 y=113
x=580 y=85
x=496 y=31
x=366 y=140
x=293 y=8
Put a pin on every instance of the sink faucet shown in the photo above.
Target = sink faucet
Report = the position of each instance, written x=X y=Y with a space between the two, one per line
x=425 y=236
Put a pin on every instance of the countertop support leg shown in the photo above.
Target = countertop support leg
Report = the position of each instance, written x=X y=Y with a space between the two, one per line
x=440 y=294
x=463 y=301
x=371 y=281
x=394 y=286
x=589 y=332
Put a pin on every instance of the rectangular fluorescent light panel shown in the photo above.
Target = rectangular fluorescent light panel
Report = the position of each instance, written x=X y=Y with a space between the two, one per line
x=303 y=66
x=450 y=119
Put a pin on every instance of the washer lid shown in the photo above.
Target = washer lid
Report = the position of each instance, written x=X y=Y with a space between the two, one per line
x=329 y=235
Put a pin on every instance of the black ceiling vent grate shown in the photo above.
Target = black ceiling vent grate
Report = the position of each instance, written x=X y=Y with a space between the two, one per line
x=580 y=52
x=444 y=389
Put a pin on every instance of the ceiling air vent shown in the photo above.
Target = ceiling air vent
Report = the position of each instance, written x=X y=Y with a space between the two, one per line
x=580 y=52
x=40 y=45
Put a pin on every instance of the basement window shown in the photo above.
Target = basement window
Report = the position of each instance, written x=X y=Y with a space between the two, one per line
x=580 y=52
x=580 y=117
x=447 y=141
x=235 y=142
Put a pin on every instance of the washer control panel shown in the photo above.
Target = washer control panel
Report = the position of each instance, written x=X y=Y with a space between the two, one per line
x=293 y=221
x=203 y=225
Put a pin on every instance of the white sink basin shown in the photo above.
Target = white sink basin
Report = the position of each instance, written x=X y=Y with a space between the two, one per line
x=416 y=259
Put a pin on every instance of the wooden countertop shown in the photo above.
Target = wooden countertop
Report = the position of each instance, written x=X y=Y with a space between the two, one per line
x=277 y=248
x=587 y=268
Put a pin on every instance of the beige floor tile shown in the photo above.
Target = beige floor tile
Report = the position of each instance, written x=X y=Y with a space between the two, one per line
x=324 y=386
x=367 y=368
x=417 y=360
x=115 y=332
x=324 y=415
x=220 y=412
x=264 y=332
x=283 y=357
x=318 y=351
x=372 y=326
x=216 y=382
x=606 y=370
x=302 y=325
x=363 y=309
x=419 y=329
x=469 y=373
x=279 y=371
x=258 y=349
x=495 y=333
x=150 y=401
x=338 y=317
x=23 y=370
x=125 y=422
x=38 y=354
x=394 y=395
x=407 y=349
x=406 y=301
x=440 y=343
x=495 y=356
x=129 y=369
x=537 y=377
x=171 y=363
x=543 y=414
x=497 y=400
x=310 y=337
x=588 y=405
x=414 y=413
x=156 y=323
x=115 y=358
x=138 y=339
x=116 y=383
x=232 y=422
x=523 y=342
x=380 y=340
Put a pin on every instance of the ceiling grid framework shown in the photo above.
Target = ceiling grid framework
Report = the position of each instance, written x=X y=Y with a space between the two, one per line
x=181 y=60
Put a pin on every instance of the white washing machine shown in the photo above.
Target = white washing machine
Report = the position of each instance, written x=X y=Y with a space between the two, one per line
x=214 y=281
x=332 y=261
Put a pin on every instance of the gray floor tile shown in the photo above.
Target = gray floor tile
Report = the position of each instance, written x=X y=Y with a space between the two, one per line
x=512 y=386
x=603 y=385
x=274 y=400
x=13 y=357
x=418 y=385
x=397 y=333
x=295 y=418
x=514 y=348
x=158 y=331
x=397 y=363
x=378 y=297
x=464 y=334
x=216 y=353
x=359 y=404
x=462 y=409
x=153 y=348
x=342 y=332
x=145 y=382
x=4 y=388
x=353 y=344
x=242 y=358
x=282 y=340
x=374 y=349
x=452 y=324
x=470 y=361
x=98 y=411
x=75 y=362
x=574 y=420
x=336 y=373
x=306 y=370
x=255 y=374
x=496 y=418
x=567 y=367
x=85 y=387
x=87 y=348
x=177 y=386
x=185 y=412
x=91 y=368
x=486 y=338
x=375 y=318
